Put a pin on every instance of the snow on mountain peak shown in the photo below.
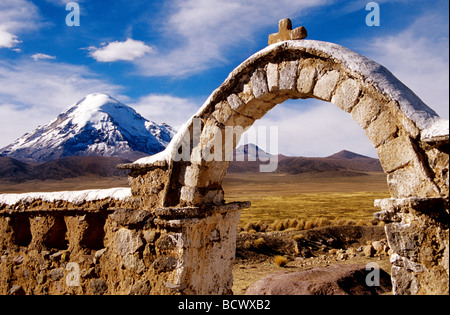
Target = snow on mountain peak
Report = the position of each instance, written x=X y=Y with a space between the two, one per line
x=97 y=125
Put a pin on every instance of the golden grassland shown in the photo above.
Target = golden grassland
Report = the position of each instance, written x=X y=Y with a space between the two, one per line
x=275 y=197
x=305 y=198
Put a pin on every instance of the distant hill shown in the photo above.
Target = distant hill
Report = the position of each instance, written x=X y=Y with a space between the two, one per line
x=347 y=155
x=71 y=167
x=344 y=163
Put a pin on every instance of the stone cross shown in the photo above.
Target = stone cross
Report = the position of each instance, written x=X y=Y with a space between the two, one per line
x=287 y=33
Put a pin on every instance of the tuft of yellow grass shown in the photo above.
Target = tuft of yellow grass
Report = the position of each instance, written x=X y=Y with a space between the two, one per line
x=281 y=261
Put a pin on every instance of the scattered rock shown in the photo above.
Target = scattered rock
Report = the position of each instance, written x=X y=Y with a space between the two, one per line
x=56 y=274
x=369 y=251
x=165 y=264
x=98 y=286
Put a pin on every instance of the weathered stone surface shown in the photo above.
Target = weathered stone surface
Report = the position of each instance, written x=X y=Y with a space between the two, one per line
x=346 y=95
x=57 y=274
x=330 y=280
x=273 y=77
x=130 y=217
x=325 y=85
x=128 y=241
x=259 y=84
x=195 y=196
x=307 y=80
x=411 y=181
x=235 y=102
x=417 y=233
x=366 y=111
x=98 y=286
x=382 y=128
x=288 y=75
x=396 y=153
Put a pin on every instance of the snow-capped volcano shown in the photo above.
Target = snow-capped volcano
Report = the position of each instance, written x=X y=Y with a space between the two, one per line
x=98 y=125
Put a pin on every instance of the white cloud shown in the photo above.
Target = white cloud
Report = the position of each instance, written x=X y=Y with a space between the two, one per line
x=7 y=40
x=170 y=109
x=40 y=56
x=19 y=15
x=419 y=57
x=34 y=92
x=128 y=50
x=16 y=16
x=201 y=33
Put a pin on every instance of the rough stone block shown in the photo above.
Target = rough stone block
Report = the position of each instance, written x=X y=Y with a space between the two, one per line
x=307 y=80
x=225 y=115
x=326 y=85
x=247 y=92
x=273 y=77
x=381 y=128
x=346 y=95
x=194 y=196
x=411 y=181
x=204 y=177
x=288 y=75
x=127 y=241
x=259 y=85
x=404 y=121
x=366 y=111
x=235 y=102
x=396 y=153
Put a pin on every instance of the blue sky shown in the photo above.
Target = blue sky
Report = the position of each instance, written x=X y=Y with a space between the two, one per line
x=164 y=58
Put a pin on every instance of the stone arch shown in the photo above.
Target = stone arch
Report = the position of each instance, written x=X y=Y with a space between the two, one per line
x=407 y=134
x=184 y=189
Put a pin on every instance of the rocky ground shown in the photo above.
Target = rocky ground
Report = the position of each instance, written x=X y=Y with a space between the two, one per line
x=261 y=254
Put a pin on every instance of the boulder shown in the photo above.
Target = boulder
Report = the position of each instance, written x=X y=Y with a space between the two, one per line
x=330 y=280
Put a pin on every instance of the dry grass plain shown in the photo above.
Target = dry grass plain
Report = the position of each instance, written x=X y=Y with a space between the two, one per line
x=280 y=196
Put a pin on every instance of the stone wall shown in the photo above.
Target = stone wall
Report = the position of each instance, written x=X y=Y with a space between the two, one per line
x=418 y=235
x=104 y=249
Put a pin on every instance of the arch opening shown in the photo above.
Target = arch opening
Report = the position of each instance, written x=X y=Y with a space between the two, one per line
x=336 y=171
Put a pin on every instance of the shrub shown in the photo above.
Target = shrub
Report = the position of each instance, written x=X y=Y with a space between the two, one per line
x=321 y=222
x=259 y=243
x=281 y=261
x=300 y=225
x=277 y=225
x=308 y=225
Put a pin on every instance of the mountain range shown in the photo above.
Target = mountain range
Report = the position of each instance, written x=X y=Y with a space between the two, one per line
x=97 y=125
x=344 y=163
